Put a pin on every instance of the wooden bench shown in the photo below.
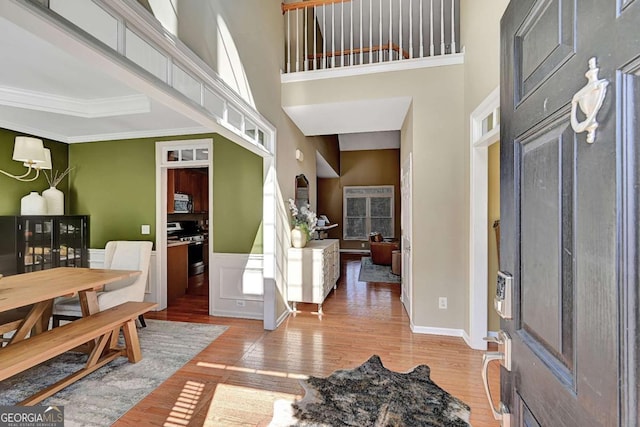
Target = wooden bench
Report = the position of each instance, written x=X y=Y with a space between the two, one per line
x=101 y=330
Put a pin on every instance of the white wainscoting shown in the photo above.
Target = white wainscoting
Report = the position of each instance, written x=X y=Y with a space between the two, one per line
x=237 y=286
x=96 y=260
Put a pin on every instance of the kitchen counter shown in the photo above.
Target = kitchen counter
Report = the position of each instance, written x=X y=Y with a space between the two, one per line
x=171 y=244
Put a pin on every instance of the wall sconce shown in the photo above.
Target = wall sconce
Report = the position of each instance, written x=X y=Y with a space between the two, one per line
x=31 y=152
x=299 y=155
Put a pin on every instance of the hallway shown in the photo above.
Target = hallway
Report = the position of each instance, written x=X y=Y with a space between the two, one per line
x=238 y=377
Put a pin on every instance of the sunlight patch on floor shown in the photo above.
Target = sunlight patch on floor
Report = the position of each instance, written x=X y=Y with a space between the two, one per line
x=240 y=405
x=253 y=371
x=184 y=406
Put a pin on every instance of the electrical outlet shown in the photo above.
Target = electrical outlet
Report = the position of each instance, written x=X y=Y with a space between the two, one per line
x=362 y=244
x=240 y=303
x=145 y=229
x=442 y=303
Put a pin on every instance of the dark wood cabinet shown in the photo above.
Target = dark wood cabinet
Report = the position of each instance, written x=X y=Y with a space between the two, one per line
x=177 y=271
x=31 y=243
x=194 y=182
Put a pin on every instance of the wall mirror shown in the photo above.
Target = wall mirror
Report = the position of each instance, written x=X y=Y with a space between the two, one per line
x=302 y=190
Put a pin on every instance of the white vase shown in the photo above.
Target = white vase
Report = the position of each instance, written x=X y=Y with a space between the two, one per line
x=33 y=204
x=298 y=238
x=55 y=201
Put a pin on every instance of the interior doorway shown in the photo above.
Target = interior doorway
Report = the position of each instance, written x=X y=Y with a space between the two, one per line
x=187 y=220
x=183 y=214
x=485 y=131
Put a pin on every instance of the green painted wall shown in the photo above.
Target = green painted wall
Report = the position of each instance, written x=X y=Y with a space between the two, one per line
x=237 y=198
x=114 y=183
x=11 y=190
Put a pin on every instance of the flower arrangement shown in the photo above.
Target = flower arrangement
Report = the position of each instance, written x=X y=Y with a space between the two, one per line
x=303 y=218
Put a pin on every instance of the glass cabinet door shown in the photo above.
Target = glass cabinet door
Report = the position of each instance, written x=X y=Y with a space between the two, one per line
x=70 y=242
x=39 y=247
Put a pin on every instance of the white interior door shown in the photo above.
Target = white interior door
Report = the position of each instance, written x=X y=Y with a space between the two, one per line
x=406 y=225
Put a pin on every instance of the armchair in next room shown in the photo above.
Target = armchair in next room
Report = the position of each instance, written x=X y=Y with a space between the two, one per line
x=381 y=250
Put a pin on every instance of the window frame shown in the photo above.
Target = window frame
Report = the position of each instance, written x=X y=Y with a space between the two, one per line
x=367 y=192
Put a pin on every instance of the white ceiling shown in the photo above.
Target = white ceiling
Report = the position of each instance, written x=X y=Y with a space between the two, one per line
x=371 y=115
x=48 y=90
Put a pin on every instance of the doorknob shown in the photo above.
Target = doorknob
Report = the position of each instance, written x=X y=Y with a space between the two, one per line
x=502 y=412
x=504 y=356
x=589 y=99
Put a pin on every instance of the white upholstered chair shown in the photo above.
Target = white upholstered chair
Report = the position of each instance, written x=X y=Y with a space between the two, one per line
x=119 y=255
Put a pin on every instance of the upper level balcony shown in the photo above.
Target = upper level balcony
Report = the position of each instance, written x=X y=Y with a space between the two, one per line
x=331 y=38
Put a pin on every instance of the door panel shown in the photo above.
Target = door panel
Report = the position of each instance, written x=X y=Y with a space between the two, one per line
x=569 y=213
x=543 y=43
x=546 y=160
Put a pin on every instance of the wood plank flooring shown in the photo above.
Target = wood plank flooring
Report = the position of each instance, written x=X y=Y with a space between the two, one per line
x=235 y=381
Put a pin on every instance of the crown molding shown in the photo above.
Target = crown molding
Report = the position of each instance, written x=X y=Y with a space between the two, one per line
x=78 y=107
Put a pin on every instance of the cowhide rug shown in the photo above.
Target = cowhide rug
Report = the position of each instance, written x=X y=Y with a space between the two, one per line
x=372 y=395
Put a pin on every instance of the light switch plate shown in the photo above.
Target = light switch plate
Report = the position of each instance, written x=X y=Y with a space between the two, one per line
x=145 y=229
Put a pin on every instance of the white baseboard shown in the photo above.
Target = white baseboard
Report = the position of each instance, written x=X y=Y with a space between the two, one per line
x=355 y=251
x=428 y=330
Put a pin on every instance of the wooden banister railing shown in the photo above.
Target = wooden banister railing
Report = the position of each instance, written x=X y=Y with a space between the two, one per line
x=310 y=3
x=385 y=47
x=324 y=34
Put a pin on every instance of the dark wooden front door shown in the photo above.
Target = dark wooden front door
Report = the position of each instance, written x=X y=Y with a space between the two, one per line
x=569 y=217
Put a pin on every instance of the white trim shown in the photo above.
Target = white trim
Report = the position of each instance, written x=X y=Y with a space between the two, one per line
x=161 y=208
x=78 y=107
x=137 y=134
x=428 y=330
x=355 y=251
x=230 y=274
x=381 y=67
x=478 y=219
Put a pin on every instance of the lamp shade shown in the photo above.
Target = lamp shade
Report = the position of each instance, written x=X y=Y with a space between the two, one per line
x=46 y=165
x=29 y=150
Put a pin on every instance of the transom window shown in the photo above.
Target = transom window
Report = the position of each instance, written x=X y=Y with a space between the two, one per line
x=366 y=210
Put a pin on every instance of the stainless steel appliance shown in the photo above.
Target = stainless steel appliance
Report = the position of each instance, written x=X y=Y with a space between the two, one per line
x=182 y=203
x=192 y=232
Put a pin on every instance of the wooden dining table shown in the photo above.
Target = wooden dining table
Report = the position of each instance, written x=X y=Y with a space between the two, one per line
x=40 y=288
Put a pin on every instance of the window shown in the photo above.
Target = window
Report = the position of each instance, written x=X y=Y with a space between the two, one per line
x=368 y=209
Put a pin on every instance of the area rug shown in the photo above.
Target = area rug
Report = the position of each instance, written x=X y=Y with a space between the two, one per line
x=105 y=395
x=370 y=272
x=372 y=395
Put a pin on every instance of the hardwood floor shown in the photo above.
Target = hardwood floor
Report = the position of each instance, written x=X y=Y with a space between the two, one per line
x=235 y=381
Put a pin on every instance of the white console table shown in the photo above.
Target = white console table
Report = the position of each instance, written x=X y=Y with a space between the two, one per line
x=313 y=271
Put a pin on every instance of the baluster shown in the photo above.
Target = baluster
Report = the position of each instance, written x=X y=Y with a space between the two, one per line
x=333 y=35
x=315 y=41
x=390 y=29
x=297 y=41
x=305 y=31
x=361 y=29
x=411 y=29
x=342 y=55
x=431 y=47
x=441 y=27
x=380 y=46
x=324 y=37
x=453 y=26
x=351 y=38
x=421 y=31
x=370 y=32
x=400 y=32
x=289 y=40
